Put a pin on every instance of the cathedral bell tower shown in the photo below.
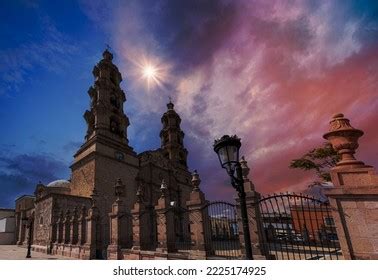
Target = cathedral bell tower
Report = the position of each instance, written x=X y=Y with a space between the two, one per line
x=105 y=155
x=106 y=117
x=172 y=137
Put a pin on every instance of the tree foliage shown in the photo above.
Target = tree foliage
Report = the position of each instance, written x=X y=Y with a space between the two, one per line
x=320 y=159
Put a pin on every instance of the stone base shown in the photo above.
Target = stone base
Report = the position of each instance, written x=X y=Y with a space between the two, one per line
x=355 y=212
x=72 y=251
x=114 y=252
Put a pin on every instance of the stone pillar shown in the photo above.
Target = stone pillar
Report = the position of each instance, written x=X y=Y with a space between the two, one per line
x=59 y=225
x=92 y=220
x=82 y=226
x=52 y=235
x=198 y=219
x=165 y=222
x=53 y=231
x=18 y=224
x=74 y=228
x=21 y=232
x=118 y=235
x=254 y=217
x=139 y=221
x=66 y=228
x=354 y=198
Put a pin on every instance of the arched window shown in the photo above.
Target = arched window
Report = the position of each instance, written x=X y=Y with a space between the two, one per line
x=114 y=101
x=114 y=125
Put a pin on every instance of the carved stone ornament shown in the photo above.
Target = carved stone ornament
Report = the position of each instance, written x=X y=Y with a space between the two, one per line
x=119 y=188
x=344 y=139
x=156 y=158
x=196 y=181
x=245 y=168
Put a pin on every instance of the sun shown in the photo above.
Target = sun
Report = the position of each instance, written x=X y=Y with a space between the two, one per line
x=149 y=72
x=152 y=74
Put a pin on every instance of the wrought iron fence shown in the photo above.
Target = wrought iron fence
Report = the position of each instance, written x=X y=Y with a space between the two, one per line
x=181 y=239
x=296 y=226
x=221 y=230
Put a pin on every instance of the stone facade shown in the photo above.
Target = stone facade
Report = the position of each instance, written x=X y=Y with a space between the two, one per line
x=91 y=215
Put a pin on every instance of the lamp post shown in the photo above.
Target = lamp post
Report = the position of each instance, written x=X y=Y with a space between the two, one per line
x=30 y=227
x=227 y=149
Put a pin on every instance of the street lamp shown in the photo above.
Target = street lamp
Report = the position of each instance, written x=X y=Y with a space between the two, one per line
x=227 y=149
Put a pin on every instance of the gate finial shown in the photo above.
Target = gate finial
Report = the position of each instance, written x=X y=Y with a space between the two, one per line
x=344 y=139
x=245 y=168
x=196 y=181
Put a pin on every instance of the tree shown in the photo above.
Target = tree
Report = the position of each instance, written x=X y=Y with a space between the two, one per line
x=320 y=159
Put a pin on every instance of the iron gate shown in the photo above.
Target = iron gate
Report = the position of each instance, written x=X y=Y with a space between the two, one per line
x=221 y=230
x=296 y=226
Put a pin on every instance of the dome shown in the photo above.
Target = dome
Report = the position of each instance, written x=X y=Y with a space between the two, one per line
x=59 y=183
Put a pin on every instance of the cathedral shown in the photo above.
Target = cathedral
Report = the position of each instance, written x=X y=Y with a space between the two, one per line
x=98 y=210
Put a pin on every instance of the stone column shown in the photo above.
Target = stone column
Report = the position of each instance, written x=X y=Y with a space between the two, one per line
x=17 y=229
x=139 y=221
x=21 y=232
x=74 y=227
x=354 y=198
x=165 y=222
x=59 y=224
x=52 y=235
x=82 y=226
x=53 y=231
x=66 y=228
x=254 y=217
x=117 y=217
x=198 y=219
x=92 y=220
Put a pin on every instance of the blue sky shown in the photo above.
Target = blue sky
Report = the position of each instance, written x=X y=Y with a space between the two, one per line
x=48 y=53
x=272 y=72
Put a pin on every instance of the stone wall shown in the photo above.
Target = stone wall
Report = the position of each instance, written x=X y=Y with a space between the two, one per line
x=46 y=214
x=83 y=177
x=43 y=218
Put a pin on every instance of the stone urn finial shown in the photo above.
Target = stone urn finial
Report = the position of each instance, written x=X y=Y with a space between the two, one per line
x=245 y=168
x=344 y=139
x=196 y=181
x=139 y=193
x=119 y=189
x=163 y=188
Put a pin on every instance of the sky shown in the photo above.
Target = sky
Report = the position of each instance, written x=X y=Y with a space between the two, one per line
x=272 y=72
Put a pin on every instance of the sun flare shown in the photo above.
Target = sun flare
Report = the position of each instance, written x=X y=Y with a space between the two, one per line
x=149 y=72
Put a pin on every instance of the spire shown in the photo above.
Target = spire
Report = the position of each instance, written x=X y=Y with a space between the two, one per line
x=172 y=137
x=105 y=116
x=107 y=55
x=170 y=105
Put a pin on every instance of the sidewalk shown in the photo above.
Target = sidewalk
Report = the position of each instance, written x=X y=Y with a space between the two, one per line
x=13 y=252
